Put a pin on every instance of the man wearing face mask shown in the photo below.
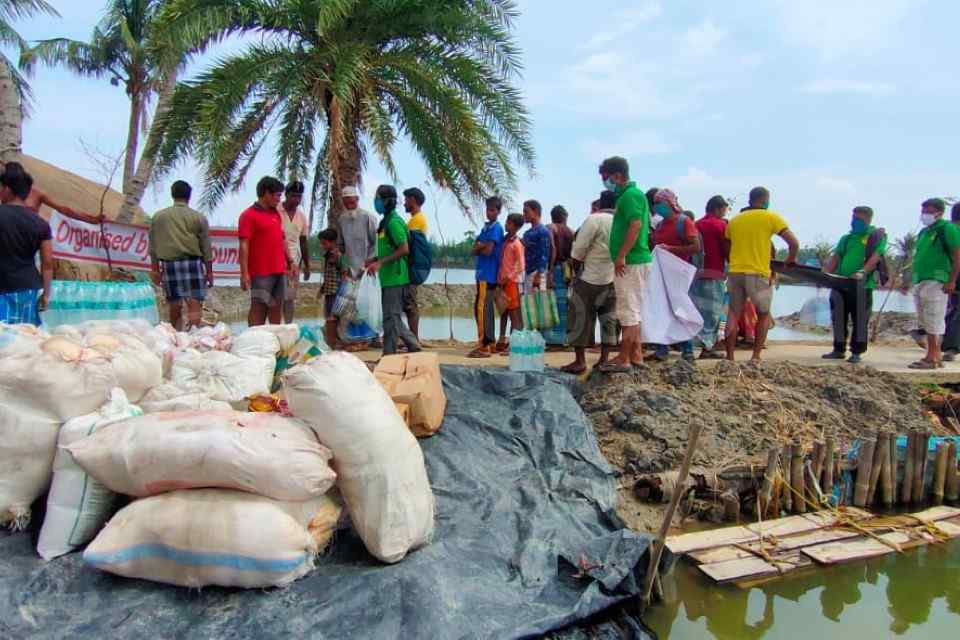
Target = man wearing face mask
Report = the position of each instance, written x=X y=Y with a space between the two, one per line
x=936 y=264
x=393 y=247
x=358 y=232
x=857 y=255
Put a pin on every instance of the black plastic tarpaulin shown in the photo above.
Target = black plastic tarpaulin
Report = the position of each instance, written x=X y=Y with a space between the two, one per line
x=527 y=542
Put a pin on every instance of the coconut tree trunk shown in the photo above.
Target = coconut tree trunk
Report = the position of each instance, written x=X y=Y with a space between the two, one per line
x=133 y=137
x=134 y=189
x=347 y=175
x=11 y=115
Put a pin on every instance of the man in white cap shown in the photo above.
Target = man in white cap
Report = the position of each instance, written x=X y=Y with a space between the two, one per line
x=358 y=232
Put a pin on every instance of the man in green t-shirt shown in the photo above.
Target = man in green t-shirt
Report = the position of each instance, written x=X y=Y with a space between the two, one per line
x=857 y=256
x=392 y=250
x=630 y=252
x=936 y=264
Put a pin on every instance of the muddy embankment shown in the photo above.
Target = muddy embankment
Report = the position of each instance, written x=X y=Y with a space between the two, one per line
x=886 y=327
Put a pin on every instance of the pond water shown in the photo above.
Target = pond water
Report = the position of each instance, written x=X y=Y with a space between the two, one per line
x=910 y=595
x=435 y=325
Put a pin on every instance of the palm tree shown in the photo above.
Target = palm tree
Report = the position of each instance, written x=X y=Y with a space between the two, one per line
x=905 y=247
x=14 y=90
x=338 y=79
x=125 y=49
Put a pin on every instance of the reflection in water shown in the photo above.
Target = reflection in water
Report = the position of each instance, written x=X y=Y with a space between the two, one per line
x=913 y=595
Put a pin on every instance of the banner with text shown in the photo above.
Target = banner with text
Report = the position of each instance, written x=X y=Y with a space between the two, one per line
x=128 y=245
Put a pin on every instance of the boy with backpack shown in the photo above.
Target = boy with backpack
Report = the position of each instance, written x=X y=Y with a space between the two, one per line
x=421 y=257
x=677 y=234
x=858 y=255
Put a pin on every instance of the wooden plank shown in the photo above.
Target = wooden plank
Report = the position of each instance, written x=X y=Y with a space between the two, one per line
x=859 y=549
x=719 y=554
x=688 y=542
x=936 y=513
x=753 y=567
x=809 y=539
x=950 y=528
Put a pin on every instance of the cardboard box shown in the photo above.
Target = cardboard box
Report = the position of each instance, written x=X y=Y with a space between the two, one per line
x=414 y=380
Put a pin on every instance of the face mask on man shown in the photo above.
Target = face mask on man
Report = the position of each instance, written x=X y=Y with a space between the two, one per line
x=858 y=226
x=609 y=184
x=927 y=219
x=380 y=207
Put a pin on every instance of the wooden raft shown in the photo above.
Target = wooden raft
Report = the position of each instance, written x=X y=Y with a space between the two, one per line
x=761 y=551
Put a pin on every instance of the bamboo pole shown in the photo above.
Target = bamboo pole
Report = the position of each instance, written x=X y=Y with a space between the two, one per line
x=919 y=467
x=829 y=448
x=796 y=474
x=879 y=455
x=786 y=460
x=766 y=491
x=939 y=473
x=889 y=474
x=864 y=467
x=837 y=477
x=893 y=465
x=906 y=489
x=953 y=474
x=656 y=551
x=816 y=466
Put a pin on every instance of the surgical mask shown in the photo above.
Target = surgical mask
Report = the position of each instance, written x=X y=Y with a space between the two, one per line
x=609 y=184
x=662 y=209
x=927 y=219
x=380 y=207
x=858 y=226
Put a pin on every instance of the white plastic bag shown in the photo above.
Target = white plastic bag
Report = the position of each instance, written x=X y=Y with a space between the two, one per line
x=369 y=302
x=170 y=397
x=287 y=334
x=223 y=376
x=215 y=537
x=380 y=467
x=669 y=315
x=78 y=506
x=257 y=343
x=263 y=453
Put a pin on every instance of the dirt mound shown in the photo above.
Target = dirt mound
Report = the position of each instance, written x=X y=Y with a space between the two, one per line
x=642 y=419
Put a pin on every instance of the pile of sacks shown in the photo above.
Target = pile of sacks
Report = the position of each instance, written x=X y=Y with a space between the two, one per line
x=220 y=496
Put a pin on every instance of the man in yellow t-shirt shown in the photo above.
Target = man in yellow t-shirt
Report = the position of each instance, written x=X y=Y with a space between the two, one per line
x=413 y=200
x=749 y=235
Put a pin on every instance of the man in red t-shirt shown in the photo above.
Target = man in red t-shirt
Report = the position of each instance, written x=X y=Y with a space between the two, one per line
x=263 y=254
x=709 y=289
x=678 y=235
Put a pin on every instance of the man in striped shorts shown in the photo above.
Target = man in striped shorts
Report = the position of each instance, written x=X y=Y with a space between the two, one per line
x=181 y=258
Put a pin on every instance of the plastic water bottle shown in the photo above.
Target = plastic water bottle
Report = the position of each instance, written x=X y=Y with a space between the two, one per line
x=515 y=351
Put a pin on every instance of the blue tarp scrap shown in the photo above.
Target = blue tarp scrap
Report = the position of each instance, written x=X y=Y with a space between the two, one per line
x=527 y=542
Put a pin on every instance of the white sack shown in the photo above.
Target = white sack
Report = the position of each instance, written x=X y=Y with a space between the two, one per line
x=38 y=393
x=223 y=376
x=669 y=315
x=256 y=343
x=379 y=464
x=19 y=339
x=137 y=368
x=170 y=397
x=78 y=506
x=215 y=537
x=287 y=334
x=263 y=453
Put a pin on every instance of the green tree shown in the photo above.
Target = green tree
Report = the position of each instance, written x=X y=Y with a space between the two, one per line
x=338 y=79
x=124 y=48
x=14 y=89
x=904 y=248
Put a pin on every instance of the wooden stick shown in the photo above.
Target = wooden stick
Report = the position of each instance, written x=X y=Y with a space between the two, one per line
x=786 y=460
x=919 y=467
x=837 y=457
x=952 y=492
x=939 y=473
x=889 y=473
x=906 y=489
x=864 y=466
x=766 y=491
x=879 y=455
x=828 y=450
x=656 y=551
x=816 y=466
x=796 y=475
x=893 y=464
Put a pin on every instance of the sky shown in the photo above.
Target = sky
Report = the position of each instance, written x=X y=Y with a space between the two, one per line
x=828 y=103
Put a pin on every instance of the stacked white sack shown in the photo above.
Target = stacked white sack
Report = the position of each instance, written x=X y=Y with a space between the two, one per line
x=379 y=464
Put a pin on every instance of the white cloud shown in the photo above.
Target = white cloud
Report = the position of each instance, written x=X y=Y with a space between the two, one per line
x=856 y=87
x=704 y=39
x=840 y=28
x=627 y=22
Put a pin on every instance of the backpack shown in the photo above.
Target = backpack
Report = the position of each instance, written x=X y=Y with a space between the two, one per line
x=696 y=259
x=882 y=270
x=420 y=259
